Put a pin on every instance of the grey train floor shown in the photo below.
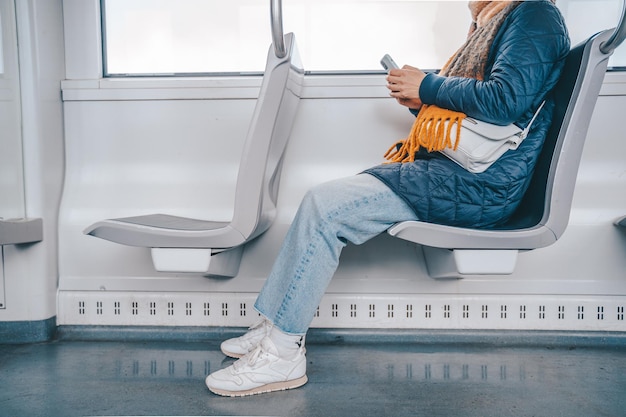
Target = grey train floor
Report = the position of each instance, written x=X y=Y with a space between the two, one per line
x=379 y=375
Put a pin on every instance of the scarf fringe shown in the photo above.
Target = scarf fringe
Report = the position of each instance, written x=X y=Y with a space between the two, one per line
x=432 y=130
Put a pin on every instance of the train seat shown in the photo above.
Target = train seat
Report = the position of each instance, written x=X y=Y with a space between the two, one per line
x=180 y=244
x=543 y=215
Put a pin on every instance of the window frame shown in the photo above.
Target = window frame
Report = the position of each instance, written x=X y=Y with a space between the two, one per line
x=85 y=68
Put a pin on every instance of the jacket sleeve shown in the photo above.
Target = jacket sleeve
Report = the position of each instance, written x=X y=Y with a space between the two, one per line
x=523 y=65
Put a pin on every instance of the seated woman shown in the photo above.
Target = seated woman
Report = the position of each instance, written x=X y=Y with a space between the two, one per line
x=511 y=60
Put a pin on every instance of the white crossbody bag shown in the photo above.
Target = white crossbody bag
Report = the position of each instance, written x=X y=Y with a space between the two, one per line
x=483 y=143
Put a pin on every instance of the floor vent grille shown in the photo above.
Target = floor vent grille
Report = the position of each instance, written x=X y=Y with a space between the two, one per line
x=497 y=312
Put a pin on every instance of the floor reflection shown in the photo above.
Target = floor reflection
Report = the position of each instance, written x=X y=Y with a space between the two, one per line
x=158 y=378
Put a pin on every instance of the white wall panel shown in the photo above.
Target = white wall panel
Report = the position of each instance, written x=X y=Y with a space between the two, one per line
x=11 y=168
x=30 y=271
x=83 y=39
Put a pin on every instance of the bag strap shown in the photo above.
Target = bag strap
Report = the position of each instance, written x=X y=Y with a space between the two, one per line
x=524 y=132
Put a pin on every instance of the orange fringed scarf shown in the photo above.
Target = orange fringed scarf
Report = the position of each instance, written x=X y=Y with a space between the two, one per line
x=432 y=129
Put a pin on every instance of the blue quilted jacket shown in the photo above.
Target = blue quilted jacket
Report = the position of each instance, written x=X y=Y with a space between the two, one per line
x=524 y=64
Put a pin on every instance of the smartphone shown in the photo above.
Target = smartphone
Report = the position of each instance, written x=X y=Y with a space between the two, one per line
x=388 y=63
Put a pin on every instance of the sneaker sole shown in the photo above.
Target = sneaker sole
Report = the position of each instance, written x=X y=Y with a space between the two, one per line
x=276 y=386
x=232 y=354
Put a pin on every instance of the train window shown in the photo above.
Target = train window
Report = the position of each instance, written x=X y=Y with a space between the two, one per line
x=179 y=37
x=209 y=36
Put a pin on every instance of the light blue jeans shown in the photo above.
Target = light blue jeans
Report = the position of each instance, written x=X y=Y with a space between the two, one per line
x=353 y=209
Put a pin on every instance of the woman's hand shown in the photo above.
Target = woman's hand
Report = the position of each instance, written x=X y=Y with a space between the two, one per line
x=404 y=85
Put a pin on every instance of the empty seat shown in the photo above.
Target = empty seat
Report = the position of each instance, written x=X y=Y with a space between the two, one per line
x=543 y=215
x=194 y=245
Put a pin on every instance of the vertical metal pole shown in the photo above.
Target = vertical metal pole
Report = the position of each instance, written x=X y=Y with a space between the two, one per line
x=618 y=36
x=278 y=39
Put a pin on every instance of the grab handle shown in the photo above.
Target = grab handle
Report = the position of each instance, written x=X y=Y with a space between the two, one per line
x=278 y=39
x=618 y=35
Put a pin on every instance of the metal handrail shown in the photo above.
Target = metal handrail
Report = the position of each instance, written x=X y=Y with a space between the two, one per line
x=618 y=35
x=278 y=38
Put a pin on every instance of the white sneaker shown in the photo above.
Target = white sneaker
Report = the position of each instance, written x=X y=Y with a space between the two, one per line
x=261 y=370
x=239 y=346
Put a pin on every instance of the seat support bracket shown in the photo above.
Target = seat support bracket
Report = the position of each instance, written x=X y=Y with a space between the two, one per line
x=199 y=260
x=445 y=263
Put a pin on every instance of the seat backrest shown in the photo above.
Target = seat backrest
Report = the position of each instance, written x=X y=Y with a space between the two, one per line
x=268 y=133
x=548 y=200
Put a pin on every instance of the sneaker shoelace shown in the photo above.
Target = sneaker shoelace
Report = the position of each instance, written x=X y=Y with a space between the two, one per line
x=251 y=358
